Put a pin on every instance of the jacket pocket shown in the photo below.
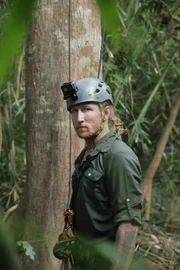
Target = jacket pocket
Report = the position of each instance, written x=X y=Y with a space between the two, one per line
x=93 y=174
x=94 y=186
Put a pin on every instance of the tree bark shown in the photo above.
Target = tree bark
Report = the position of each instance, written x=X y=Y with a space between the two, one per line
x=146 y=185
x=47 y=120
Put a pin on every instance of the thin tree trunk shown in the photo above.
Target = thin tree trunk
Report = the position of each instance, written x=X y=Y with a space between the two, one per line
x=0 y=133
x=19 y=69
x=47 y=120
x=146 y=185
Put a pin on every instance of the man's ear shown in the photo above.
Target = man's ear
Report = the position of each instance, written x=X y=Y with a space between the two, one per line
x=107 y=112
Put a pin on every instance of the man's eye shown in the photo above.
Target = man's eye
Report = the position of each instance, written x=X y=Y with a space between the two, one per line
x=73 y=111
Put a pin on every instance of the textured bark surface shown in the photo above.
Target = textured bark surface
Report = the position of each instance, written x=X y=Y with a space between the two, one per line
x=47 y=118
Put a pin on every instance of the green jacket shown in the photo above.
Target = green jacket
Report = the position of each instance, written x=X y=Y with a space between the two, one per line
x=106 y=188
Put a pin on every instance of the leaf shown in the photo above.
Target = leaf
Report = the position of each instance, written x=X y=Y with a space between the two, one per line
x=20 y=109
x=109 y=16
x=147 y=105
x=13 y=31
x=28 y=249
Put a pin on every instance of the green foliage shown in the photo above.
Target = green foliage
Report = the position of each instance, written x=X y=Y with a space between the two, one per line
x=25 y=249
x=14 y=18
x=137 y=130
x=135 y=69
x=109 y=17
x=12 y=33
x=143 y=73
x=166 y=190
x=12 y=165
x=8 y=254
x=94 y=252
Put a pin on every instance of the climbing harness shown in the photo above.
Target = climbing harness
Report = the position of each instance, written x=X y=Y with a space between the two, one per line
x=63 y=248
x=68 y=218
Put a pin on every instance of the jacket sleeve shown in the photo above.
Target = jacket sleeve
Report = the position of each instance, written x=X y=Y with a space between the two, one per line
x=122 y=176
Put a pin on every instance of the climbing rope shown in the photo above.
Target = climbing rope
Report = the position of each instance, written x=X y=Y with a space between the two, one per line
x=69 y=73
x=70 y=125
x=62 y=249
x=101 y=52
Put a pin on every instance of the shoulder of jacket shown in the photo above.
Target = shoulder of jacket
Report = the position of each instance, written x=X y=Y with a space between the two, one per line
x=120 y=148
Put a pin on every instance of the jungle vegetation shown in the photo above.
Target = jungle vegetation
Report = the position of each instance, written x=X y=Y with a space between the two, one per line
x=141 y=64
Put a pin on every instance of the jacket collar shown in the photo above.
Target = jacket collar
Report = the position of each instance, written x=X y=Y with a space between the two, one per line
x=104 y=144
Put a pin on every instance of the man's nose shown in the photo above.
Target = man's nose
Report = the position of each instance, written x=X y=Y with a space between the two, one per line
x=80 y=116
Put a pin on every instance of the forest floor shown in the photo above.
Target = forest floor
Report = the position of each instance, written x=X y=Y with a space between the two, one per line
x=160 y=247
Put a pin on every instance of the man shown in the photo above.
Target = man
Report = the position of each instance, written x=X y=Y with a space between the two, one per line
x=106 y=197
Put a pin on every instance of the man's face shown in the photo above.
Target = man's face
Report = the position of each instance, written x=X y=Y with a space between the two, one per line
x=86 y=118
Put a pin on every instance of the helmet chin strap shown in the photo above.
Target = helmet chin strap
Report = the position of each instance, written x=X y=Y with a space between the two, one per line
x=100 y=129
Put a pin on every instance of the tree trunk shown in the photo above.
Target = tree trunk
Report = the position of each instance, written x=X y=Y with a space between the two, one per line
x=47 y=121
x=146 y=185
